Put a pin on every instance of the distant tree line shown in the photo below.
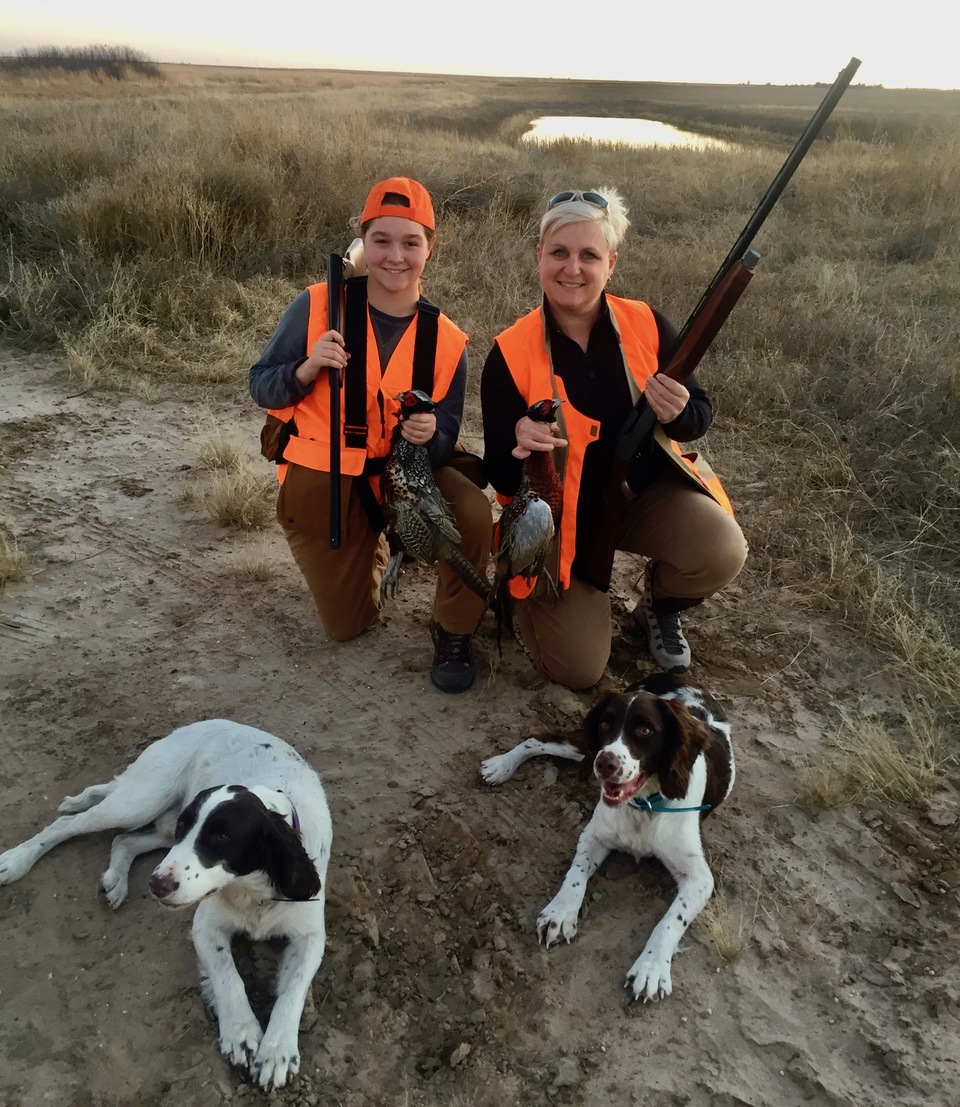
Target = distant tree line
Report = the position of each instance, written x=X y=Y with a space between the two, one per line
x=116 y=62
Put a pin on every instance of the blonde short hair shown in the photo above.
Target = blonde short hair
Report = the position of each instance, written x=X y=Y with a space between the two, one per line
x=612 y=219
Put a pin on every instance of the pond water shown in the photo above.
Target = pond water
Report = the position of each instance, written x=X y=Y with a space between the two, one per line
x=634 y=132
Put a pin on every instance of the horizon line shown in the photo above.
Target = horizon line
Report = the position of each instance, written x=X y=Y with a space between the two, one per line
x=744 y=83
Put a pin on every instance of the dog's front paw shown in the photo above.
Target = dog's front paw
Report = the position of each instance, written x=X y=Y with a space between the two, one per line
x=239 y=1041
x=497 y=769
x=14 y=863
x=556 y=921
x=649 y=977
x=113 y=887
x=275 y=1063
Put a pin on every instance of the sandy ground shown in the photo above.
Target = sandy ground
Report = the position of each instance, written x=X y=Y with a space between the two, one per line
x=134 y=620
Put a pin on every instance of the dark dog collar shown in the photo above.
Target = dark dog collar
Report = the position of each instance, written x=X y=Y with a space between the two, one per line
x=656 y=804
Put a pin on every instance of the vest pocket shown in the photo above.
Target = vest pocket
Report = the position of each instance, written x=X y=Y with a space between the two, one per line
x=274 y=437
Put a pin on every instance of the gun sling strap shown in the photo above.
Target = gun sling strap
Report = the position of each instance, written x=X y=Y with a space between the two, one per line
x=355 y=383
x=355 y=379
x=355 y=376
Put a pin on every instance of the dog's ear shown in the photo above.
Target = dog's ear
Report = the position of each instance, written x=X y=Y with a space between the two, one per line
x=589 y=739
x=290 y=869
x=591 y=723
x=684 y=740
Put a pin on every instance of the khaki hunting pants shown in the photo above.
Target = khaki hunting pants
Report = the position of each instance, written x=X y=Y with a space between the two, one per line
x=696 y=548
x=345 y=583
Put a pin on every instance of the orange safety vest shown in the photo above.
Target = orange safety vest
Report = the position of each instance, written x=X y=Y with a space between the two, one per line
x=309 y=445
x=524 y=348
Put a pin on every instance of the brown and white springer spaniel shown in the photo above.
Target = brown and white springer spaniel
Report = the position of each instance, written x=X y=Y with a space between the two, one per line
x=662 y=754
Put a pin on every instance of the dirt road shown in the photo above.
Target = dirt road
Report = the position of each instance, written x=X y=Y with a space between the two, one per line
x=134 y=619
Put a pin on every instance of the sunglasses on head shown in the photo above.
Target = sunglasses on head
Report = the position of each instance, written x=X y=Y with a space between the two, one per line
x=593 y=198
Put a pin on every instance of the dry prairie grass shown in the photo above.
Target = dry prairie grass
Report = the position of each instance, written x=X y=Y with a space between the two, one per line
x=155 y=233
x=242 y=498
x=13 y=562
x=257 y=563
x=730 y=921
x=898 y=762
x=218 y=448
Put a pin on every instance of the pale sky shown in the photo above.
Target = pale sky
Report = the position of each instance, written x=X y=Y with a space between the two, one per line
x=902 y=45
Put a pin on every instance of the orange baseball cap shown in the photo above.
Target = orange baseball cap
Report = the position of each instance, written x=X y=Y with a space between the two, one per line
x=420 y=209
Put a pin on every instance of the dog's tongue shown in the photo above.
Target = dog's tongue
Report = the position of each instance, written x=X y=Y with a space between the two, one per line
x=614 y=794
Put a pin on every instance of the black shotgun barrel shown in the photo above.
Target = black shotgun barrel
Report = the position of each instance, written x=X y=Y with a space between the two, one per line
x=731 y=278
x=778 y=184
x=334 y=322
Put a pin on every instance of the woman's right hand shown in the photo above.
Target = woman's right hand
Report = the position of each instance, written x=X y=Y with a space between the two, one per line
x=328 y=352
x=533 y=436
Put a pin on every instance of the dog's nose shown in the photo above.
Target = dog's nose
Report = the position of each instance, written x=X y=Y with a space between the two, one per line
x=607 y=763
x=162 y=884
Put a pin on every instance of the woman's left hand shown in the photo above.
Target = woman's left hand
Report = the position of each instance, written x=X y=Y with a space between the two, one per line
x=666 y=397
x=419 y=428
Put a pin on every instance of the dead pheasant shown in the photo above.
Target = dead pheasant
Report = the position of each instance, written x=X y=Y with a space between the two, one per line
x=419 y=520
x=528 y=523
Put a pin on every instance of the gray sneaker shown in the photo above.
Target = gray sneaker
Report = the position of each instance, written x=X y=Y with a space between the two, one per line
x=665 y=639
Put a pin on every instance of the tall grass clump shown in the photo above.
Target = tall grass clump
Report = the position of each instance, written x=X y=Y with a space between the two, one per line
x=730 y=920
x=257 y=563
x=242 y=498
x=219 y=449
x=13 y=561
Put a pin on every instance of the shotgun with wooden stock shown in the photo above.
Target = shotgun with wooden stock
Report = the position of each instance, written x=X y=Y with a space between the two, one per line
x=719 y=299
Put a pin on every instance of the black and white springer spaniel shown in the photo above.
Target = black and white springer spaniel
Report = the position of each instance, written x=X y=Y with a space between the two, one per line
x=662 y=754
x=248 y=822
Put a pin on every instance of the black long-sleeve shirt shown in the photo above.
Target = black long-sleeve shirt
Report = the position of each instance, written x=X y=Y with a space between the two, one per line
x=273 y=381
x=596 y=385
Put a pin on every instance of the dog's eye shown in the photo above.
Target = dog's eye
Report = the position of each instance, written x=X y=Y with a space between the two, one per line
x=219 y=836
x=604 y=724
x=644 y=731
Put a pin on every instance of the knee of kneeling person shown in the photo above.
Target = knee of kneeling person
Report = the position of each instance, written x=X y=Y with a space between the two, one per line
x=722 y=553
x=475 y=521
x=468 y=502
x=734 y=554
x=345 y=626
x=579 y=675
x=475 y=507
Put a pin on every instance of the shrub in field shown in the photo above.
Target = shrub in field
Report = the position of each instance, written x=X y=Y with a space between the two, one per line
x=730 y=921
x=115 y=62
x=217 y=449
x=13 y=562
x=242 y=498
x=258 y=563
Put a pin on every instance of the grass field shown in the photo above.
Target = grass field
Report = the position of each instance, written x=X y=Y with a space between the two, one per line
x=153 y=232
